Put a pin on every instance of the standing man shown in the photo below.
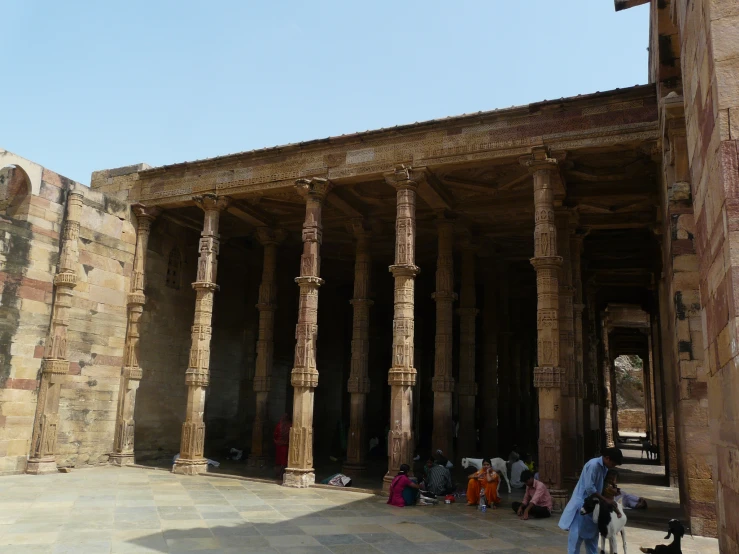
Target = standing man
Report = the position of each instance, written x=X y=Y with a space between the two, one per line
x=582 y=528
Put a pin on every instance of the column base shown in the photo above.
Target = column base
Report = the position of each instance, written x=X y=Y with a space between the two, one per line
x=353 y=469
x=386 y=481
x=122 y=459
x=559 y=499
x=298 y=478
x=190 y=467
x=41 y=466
x=256 y=461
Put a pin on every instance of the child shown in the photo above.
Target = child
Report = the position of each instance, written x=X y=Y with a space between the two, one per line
x=610 y=487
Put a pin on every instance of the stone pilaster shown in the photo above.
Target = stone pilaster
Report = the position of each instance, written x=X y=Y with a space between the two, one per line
x=197 y=376
x=55 y=365
x=402 y=374
x=577 y=388
x=606 y=400
x=359 y=383
x=131 y=373
x=467 y=387
x=489 y=394
x=299 y=472
x=548 y=375
x=443 y=382
x=260 y=437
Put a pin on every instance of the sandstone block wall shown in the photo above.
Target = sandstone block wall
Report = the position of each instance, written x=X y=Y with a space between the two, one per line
x=709 y=59
x=29 y=250
x=633 y=421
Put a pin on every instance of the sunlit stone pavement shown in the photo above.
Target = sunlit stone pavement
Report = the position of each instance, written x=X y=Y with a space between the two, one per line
x=132 y=510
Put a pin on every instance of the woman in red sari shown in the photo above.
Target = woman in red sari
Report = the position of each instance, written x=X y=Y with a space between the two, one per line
x=282 y=441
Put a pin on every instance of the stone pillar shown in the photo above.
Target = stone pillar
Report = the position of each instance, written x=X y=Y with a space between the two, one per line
x=131 y=373
x=577 y=389
x=591 y=380
x=505 y=436
x=55 y=365
x=261 y=437
x=359 y=383
x=548 y=375
x=567 y=348
x=467 y=387
x=607 y=382
x=488 y=401
x=299 y=472
x=402 y=374
x=197 y=376
x=443 y=382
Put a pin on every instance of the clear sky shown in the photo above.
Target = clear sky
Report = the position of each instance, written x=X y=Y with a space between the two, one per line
x=98 y=84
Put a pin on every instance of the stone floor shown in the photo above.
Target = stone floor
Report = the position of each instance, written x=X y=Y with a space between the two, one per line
x=132 y=510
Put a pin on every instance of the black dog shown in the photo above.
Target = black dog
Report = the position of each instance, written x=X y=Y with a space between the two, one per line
x=674 y=528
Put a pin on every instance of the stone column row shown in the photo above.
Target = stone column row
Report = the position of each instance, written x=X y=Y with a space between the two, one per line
x=55 y=364
x=131 y=372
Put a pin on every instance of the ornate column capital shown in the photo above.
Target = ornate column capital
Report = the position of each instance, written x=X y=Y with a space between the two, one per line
x=539 y=160
x=269 y=235
x=144 y=214
x=316 y=188
x=211 y=202
x=405 y=177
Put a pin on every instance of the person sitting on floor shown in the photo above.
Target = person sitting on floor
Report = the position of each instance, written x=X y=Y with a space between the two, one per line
x=517 y=470
x=484 y=480
x=438 y=479
x=403 y=491
x=631 y=501
x=537 y=502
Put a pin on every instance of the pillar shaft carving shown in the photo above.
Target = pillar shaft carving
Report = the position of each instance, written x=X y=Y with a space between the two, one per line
x=606 y=393
x=467 y=390
x=197 y=376
x=402 y=374
x=55 y=364
x=304 y=378
x=359 y=384
x=548 y=375
x=443 y=382
x=131 y=373
x=262 y=384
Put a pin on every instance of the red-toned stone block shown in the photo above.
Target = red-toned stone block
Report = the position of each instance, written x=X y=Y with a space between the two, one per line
x=23 y=384
x=729 y=164
x=74 y=368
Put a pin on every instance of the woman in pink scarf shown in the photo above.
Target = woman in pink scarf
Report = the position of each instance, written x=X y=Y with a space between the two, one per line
x=401 y=489
x=282 y=441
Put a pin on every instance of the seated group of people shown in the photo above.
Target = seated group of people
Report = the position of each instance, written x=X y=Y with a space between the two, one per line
x=436 y=481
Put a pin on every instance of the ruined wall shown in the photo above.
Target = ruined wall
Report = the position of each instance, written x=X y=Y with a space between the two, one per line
x=96 y=332
x=29 y=250
x=632 y=420
x=709 y=60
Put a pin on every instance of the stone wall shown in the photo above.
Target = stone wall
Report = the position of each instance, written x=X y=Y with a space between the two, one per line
x=29 y=251
x=709 y=60
x=632 y=421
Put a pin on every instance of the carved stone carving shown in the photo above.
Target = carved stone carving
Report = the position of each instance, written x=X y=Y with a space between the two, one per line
x=197 y=376
x=269 y=239
x=55 y=364
x=131 y=373
x=359 y=384
x=304 y=378
x=402 y=374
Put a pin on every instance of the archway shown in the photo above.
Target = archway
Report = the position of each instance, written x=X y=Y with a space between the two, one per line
x=15 y=191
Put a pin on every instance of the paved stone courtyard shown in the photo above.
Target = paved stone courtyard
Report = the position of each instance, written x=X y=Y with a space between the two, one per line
x=132 y=510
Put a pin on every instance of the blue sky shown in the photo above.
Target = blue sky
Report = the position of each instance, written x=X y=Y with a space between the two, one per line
x=92 y=85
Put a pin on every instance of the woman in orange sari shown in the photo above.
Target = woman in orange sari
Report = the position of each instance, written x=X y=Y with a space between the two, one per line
x=282 y=441
x=486 y=479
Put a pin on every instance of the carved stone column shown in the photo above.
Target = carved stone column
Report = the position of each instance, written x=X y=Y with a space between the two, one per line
x=548 y=375
x=577 y=389
x=489 y=394
x=467 y=388
x=131 y=373
x=197 y=376
x=402 y=374
x=299 y=472
x=55 y=365
x=262 y=383
x=591 y=379
x=607 y=397
x=443 y=382
x=359 y=383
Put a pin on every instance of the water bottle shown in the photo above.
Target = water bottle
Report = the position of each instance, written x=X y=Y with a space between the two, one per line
x=483 y=502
